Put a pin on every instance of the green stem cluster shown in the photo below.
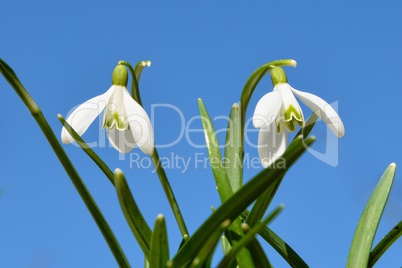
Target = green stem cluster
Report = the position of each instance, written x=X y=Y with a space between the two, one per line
x=93 y=208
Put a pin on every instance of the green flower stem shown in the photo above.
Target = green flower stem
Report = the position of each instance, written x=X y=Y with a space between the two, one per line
x=169 y=193
x=135 y=93
x=135 y=90
x=385 y=243
x=88 y=150
x=107 y=233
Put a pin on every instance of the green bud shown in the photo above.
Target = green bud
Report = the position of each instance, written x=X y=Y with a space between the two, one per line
x=278 y=76
x=120 y=76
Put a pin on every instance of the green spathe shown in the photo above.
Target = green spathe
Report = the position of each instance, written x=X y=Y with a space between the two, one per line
x=278 y=76
x=120 y=76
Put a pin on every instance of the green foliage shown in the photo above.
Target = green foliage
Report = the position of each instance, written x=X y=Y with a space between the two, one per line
x=132 y=213
x=367 y=227
x=159 y=252
x=231 y=222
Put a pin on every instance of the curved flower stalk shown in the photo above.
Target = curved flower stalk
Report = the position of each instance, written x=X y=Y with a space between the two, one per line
x=126 y=122
x=278 y=113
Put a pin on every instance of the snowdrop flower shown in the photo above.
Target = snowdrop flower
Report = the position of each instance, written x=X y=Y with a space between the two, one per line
x=278 y=113
x=126 y=122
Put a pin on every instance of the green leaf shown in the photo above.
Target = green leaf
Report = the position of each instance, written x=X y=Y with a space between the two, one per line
x=271 y=216
x=277 y=243
x=308 y=126
x=287 y=253
x=226 y=247
x=248 y=238
x=385 y=243
x=79 y=185
x=238 y=203
x=259 y=257
x=159 y=253
x=263 y=202
x=132 y=213
x=221 y=178
x=232 y=160
x=222 y=181
x=184 y=240
x=88 y=150
x=367 y=227
x=205 y=253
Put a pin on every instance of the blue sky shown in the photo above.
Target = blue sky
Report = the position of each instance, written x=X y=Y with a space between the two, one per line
x=64 y=54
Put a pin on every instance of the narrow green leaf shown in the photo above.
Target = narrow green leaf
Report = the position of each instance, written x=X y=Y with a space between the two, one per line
x=247 y=238
x=79 y=185
x=222 y=181
x=271 y=216
x=263 y=202
x=278 y=244
x=385 y=243
x=261 y=205
x=159 y=253
x=226 y=247
x=308 y=126
x=132 y=213
x=367 y=227
x=221 y=178
x=146 y=262
x=259 y=257
x=238 y=203
x=232 y=160
x=205 y=253
x=88 y=150
x=287 y=253
x=184 y=240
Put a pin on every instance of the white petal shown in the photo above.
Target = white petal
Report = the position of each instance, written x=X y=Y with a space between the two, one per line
x=123 y=141
x=267 y=109
x=115 y=106
x=323 y=110
x=271 y=144
x=140 y=125
x=289 y=100
x=85 y=114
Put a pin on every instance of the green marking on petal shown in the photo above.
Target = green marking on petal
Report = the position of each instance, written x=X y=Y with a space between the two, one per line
x=278 y=127
x=115 y=120
x=292 y=112
x=293 y=117
x=290 y=125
